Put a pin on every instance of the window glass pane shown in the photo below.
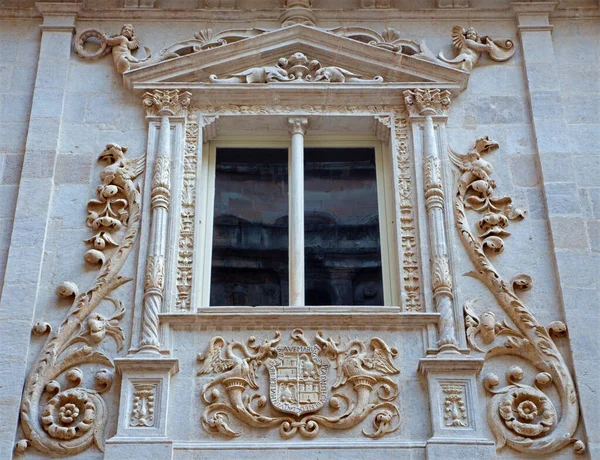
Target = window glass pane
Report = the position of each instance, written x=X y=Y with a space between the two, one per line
x=342 y=247
x=250 y=233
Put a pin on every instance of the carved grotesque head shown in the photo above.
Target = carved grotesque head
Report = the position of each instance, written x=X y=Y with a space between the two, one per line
x=485 y=145
x=127 y=31
x=472 y=34
x=112 y=153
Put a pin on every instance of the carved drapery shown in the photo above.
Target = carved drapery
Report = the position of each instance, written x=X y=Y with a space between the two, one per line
x=422 y=105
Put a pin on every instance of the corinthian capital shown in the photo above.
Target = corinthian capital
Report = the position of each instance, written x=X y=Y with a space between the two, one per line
x=167 y=102
x=423 y=102
x=298 y=125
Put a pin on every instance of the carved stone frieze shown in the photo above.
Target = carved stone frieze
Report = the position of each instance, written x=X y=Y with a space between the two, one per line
x=232 y=109
x=66 y=418
x=299 y=379
x=470 y=45
x=521 y=416
x=167 y=102
x=297 y=68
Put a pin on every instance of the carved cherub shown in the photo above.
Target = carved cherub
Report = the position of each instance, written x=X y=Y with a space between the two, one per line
x=122 y=46
x=470 y=46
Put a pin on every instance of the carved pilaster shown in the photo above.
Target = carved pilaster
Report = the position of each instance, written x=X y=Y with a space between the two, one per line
x=423 y=105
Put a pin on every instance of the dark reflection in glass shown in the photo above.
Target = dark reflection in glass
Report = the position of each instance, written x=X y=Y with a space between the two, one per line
x=342 y=247
x=250 y=233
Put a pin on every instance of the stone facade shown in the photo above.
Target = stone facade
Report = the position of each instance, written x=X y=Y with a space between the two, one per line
x=484 y=117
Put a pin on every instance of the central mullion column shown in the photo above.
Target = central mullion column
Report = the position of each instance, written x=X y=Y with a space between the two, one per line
x=298 y=127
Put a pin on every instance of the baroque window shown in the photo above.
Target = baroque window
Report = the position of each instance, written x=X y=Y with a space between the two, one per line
x=336 y=221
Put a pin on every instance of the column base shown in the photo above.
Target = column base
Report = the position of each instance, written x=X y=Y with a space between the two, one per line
x=459 y=449
x=120 y=448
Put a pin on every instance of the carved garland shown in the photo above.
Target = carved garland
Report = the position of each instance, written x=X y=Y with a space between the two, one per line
x=60 y=416
x=298 y=385
x=520 y=415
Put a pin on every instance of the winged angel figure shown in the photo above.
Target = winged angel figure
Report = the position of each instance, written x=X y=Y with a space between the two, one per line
x=470 y=46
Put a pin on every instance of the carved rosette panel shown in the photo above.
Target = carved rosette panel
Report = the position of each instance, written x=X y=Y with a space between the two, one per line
x=60 y=413
x=299 y=385
x=185 y=255
x=521 y=416
x=410 y=261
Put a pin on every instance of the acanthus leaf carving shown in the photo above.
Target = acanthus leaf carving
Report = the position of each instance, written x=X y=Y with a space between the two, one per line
x=166 y=102
x=298 y=385
x=520 y=416
x=74 y=417
x=426 y=101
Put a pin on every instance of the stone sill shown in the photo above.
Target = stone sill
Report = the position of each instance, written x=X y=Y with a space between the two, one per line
x=363 y=317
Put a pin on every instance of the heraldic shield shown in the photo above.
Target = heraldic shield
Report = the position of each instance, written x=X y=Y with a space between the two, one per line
x=298 y=379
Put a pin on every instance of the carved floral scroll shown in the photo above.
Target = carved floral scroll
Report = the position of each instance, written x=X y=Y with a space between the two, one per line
x=60 y=414
x=520 y=415
x=299 y=385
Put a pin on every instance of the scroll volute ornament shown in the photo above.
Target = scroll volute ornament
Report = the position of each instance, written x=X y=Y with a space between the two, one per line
x=299 y=375
x=521 y=416
x=66 y=418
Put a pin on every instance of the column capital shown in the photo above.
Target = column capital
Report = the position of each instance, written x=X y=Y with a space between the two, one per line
x=422 y=102
x=58 y=17
x=166 y=102
x=298 y=125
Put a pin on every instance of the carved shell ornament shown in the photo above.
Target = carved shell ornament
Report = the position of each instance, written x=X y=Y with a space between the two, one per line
x=298 y=385
x=520 y=415
x=60 y=414
x=296 y=68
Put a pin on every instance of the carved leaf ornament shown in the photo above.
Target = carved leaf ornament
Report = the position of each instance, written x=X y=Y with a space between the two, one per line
x=521 y=416
x=60 y=415
x=299 y=385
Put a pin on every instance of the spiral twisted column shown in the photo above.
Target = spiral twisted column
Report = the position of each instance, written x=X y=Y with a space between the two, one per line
x=423 y=105
x=163 y=104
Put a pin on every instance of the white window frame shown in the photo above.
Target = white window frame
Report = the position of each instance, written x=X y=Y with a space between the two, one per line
x=206 y=195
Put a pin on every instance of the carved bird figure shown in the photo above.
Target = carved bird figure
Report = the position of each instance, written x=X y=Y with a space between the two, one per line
x=471 y=164
x=120 y=169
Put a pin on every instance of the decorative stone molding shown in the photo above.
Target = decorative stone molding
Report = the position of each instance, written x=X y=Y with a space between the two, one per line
x=470 y=45
x=166 y=103
x=367 y=372
x=296 y=68
x=256 y=109
x=379 y=4
x=422 y=102
x=143 y=405
x=455 y=410
x=520 y=416
x=74 y=417
x=219 y=4
x=298 y=12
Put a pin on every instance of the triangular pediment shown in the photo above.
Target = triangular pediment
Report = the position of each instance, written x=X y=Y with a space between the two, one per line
x=361 y=62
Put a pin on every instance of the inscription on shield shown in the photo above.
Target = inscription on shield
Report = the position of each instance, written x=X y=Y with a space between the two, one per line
x=298 y=379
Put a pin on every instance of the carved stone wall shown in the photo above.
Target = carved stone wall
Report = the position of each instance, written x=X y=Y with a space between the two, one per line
x=88 y=105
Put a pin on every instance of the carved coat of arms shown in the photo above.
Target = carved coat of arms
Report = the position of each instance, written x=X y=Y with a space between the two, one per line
x=298 y=379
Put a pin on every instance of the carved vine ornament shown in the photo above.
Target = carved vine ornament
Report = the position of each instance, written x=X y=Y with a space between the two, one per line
x=521 y=416
x=298 y=385
x=468 y=44
x=60 y=413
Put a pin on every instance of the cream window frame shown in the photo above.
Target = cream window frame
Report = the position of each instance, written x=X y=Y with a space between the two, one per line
x=206 y=195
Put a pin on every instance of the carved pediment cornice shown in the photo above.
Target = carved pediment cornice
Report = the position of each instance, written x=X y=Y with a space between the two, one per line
x=356 y=50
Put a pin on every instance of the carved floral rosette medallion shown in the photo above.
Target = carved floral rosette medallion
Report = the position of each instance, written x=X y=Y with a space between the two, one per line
x=298 y=379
